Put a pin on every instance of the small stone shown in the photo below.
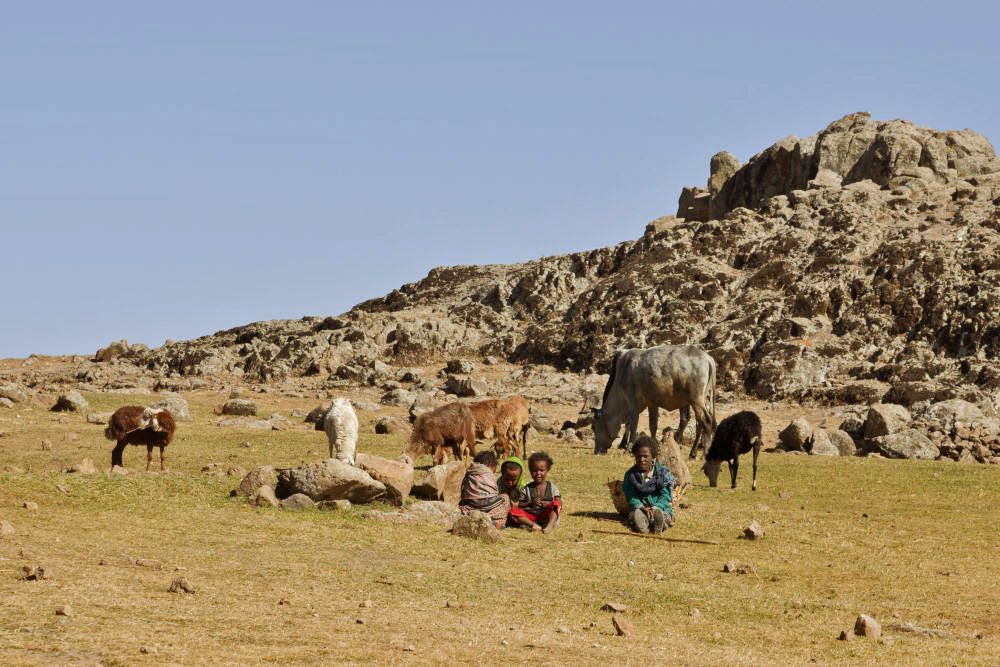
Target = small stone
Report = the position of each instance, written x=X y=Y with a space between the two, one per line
x=35 y=573
x=360 y=621
x=866 y=626
x=409 y=648
x=716 y=636
x=631 y=563
x=148 y=650
x=62 y=489
x=367 y=604
x=29 y=505
x=84 y=467
x=729 y=566
x=451 y=604
x=180 y=585
x=264 y=497
x=694 y=613
x=46 y=445
x=564 y=630
x=341 y=505
x=119 y=470
x=615 y=607
x=297 y=502
x=845 y=636
x=622 y=627
x=149 y=562
x=657 y=577
x=754 y=531
x=64 y=610
x=6 y=529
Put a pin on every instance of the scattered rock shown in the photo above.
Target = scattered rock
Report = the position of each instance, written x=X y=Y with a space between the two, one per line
x=341 y=505
x=72 y=401
x=6 y=529
x=477 y=526
x=821 y=444
x=46 y=445
x=256 y=478
x=29 y=505
x=846 y=636
x=330 y=480
x=441 y=482
x=843 y=442
x=866 y=626
x=614 y=606
x=35 y=573
x=99 y=418
x=796 y=435
x=391 y=426
x=264 y=496
x=885 y=419
x=83 y=467
x=754 y=531
x=907 y=444
x=240 y=407
x=465 y=386
x=397 y=476
x=460 y=366
x=623 y=628
x=297 y=501
x=180 y=585
x=64 y=610
x=177 y=406
x=13 y=392
x=398 y=397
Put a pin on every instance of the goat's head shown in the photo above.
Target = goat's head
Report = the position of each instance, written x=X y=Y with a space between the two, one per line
x=711 y=470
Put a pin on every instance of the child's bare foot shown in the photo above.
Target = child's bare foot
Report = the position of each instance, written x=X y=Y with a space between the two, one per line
x=547 y=529
x=536 y=528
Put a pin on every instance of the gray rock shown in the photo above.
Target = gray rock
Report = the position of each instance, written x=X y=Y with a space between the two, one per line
x=316 y=416
x=460 y=366
x=465 y=386
x=754 y=531
x=541 y=422
x=7 y=529
x=13 y=392
x=821 y=444
x=907 y=444
x=795 y=436
x=885 y=419
x=866 y=626
x=843 y=442
x=241 y=407
x=255 y=479
x=180 y=585
x=391 y=426
x=423 y=402
x=177 y=406
x=264 y=497
x=297 y=501
x=6 y=402
x=83 y=467
x=476 y=526
x=441 y=482
x=341 y=505
x=398 y=397
x=397 y=476
x=853 y=426
x=72 y=401
x=330 y=480
x=99 y=418
x=954 y=410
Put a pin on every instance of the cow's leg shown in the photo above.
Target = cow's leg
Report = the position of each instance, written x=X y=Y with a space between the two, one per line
x=163 y=458
x=682 y=424
x=149 y=456
x=734 y=467
x=654 y=422
x=704 y=430
x=116 y=454
x=756 y=451
x=630 y=429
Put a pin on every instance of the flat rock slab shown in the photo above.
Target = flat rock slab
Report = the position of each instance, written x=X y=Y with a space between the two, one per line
x=329 y=480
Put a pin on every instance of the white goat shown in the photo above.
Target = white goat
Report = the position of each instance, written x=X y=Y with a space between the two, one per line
x=341 y=426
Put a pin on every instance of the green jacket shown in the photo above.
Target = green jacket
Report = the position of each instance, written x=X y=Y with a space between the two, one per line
x=663 y=500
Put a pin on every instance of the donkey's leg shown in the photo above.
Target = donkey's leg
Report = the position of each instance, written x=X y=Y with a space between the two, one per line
x=149 y=456
x=163 y=458
x=685 y=417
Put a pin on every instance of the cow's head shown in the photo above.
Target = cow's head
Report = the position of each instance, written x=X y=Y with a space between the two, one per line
x=711 y=470
x=604 y=431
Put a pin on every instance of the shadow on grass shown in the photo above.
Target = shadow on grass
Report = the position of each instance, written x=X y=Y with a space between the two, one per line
x=600 y=516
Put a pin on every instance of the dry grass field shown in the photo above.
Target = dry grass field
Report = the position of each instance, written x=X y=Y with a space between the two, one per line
x=905 y=541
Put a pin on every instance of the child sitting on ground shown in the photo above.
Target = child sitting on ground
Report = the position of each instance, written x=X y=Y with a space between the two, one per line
x=539 y=505
x=512 y=478
x=480 y=492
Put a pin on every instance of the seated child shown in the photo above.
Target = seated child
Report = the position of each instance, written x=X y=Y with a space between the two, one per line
x=479 y=489
x=649 y=488
x=512 y=478
x=539 y=505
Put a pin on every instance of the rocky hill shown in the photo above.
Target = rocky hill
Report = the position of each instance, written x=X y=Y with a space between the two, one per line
x=856 y=264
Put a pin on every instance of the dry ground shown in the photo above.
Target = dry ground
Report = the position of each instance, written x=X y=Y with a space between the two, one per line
x=912 y=541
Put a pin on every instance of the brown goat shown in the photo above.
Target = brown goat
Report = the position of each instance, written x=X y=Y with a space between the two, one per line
x=516 y=418
x=449 y=426
x=133 y=425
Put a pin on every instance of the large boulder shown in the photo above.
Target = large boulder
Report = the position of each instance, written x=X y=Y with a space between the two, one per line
x=441 y=482
x=906 y=444
x=13 y=392
x=796 y=435
x=240 y=407
x=423 y=401
x=114 y=350
x=256 y=478
x=671 y=456
x=947 y=413
x=821 y=444
x=885 y=419
x=329 y=480
x=843 y=442
x=72 y=401
x=177 y=406
x=398 y=397
x=391 y=426
x=397 y=476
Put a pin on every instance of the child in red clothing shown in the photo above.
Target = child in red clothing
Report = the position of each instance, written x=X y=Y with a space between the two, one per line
x=540 y=502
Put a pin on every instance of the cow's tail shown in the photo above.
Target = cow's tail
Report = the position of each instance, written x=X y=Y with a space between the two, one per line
x=711 y=388
x=611 y=377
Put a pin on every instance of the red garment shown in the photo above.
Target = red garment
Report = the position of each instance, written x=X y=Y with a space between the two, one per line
x=541 y=517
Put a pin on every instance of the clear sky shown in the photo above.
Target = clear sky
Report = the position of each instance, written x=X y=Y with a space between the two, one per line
x=168 y=170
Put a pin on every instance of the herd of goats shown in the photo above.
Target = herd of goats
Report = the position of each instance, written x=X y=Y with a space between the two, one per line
x=672 y=377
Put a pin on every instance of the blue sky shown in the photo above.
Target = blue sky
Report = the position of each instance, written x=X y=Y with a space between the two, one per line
x=169 y=171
